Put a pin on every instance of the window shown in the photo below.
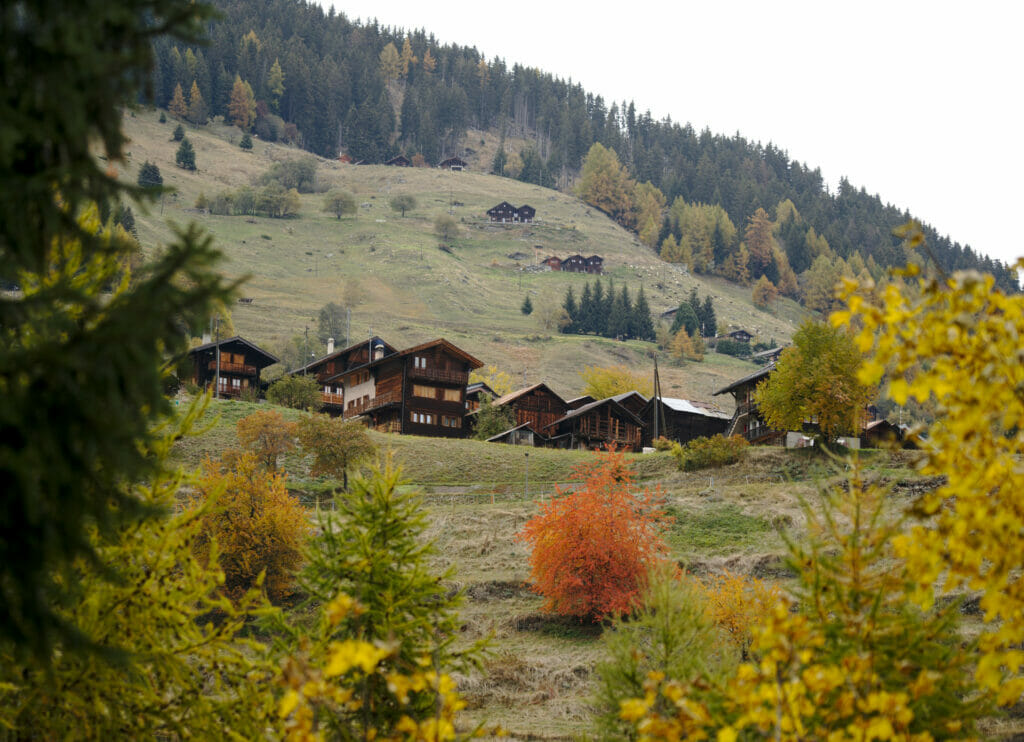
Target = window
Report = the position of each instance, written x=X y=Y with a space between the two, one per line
x=419 y=362
x=450 y=422
x=452 y=395
x=421 y=390
x=422 y=418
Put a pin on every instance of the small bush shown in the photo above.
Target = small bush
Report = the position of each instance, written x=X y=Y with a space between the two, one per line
x=255 y=528
x=708 y=453
x=246 y=142
x=295 y=391
x=733 y=348
x=662 y=444
x=736 y=603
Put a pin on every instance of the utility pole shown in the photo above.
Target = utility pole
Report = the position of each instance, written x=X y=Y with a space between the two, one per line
x=305 y=351
x=526 y=480
x=216 y=393
x=348 y=324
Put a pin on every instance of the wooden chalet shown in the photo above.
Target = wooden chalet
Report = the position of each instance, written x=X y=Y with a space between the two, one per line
x=682 y=420
x=596 y=426
x=553 y=263
x=400 y=161
x=881 y=434
x=230 y=366
x=453 y=163
x=740 y=336
x=329 y=371
x=503 y=212
x=536 y=405
x=593 y=264
x=575 y=264
x=747 y=420
x=419 y=390
x=475 y=394
x=507 y=213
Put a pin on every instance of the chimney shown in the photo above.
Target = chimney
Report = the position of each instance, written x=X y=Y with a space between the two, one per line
x=378 y=352
x=330 y=345
x=207 y=338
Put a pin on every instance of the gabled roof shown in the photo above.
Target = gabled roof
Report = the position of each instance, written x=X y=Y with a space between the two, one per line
x=388 y=350
x=626 y=395
x=479 y=386
x=453 y=349
x=512 y=396
x=262 y=360
x=576 y=402
x=695 y=408
x=503 y=433
x=761 y=372
x=498 y=206
x=593 y=406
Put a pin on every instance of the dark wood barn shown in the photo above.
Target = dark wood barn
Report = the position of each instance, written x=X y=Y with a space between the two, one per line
x=593 y=264
x=230 y=366
x=525 y=213
x=575 y=264
x=537 y=405
x=503 y=212
x=400 y=161
x=553 y=263
x=596 y=426
x=682 y=420
x=453 y=163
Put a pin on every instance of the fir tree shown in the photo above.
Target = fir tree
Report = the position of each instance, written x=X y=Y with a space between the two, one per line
x=644 y=326
x=527 y=307
x=710 y=325
x=571 y=311
x=598 y=318
x=186 y=155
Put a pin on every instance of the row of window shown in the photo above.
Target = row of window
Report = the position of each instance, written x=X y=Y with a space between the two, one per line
x=434 y=392
x=428 y=418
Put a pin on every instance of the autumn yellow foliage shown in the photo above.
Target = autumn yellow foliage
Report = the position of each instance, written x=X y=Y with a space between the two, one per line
x=969 y=333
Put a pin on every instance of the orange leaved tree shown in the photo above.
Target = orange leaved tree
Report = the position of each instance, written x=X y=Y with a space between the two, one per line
x=592 y=548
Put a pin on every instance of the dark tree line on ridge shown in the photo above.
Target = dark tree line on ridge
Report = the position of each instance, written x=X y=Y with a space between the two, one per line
x=319 y=80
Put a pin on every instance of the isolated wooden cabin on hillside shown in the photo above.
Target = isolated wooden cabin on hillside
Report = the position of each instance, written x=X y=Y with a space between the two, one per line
x=231 y=366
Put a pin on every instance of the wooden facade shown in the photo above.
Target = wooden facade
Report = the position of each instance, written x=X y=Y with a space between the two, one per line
x=593 y=264
x=232 y=366
x=537 y=405
x=574 y=264
x=400 y=161
x=507 y=213
x=330 y=372
x=598 y=425
x=553 y=263
x=682 y=420
x=747 y=420
x=418 y=391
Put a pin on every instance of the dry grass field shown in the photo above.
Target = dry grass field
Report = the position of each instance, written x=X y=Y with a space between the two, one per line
x=390 y=271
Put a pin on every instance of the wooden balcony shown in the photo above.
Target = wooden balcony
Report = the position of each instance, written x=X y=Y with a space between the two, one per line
x=232 y=368
x=439 y=374
x=329 y=398
x=381 y=400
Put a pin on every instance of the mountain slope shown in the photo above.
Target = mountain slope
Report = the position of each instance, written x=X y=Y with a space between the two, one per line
x=390 y=271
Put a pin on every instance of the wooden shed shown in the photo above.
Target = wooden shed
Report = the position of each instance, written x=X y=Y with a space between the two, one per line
x=453 y=163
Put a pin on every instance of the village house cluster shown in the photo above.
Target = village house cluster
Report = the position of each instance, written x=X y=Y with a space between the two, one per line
x=425 y=390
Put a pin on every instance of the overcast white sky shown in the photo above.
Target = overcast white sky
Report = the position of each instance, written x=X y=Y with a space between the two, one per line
x=918 y=102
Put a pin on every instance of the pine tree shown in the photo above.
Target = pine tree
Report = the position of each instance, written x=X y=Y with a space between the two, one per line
x=585 y=321
x=275 y=84
x=685 y=318
x=246 y=141
x=599 y=312
x=571 y=311
x=149 y=175
x=186 y=155
x=527 y=307
x=642 y=322
x=710 y=324
x=178 y=134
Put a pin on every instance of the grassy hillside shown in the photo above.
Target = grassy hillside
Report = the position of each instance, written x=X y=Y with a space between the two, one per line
x=400 y=285
x=538 y=678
